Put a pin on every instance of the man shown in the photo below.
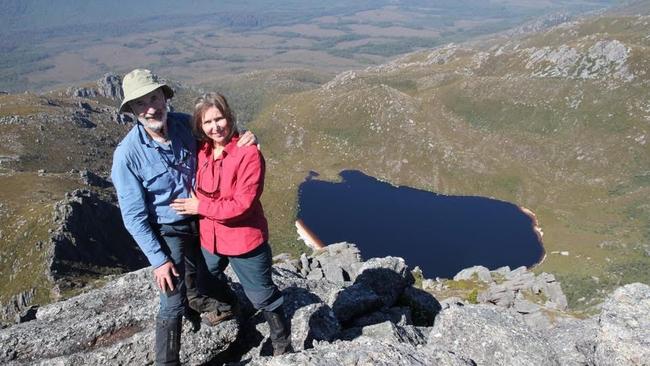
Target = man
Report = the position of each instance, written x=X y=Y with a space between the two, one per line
x=153 y=165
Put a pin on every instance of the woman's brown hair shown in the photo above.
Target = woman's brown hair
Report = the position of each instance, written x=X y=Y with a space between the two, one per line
x=206 y=102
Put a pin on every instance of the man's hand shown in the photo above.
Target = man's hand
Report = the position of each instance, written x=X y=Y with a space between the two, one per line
x=247 y=139
x=163 y=276
x=186 y=206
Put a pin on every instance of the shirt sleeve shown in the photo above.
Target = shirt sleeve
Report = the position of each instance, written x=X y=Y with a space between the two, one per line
x=248 y=188
x=131 y=197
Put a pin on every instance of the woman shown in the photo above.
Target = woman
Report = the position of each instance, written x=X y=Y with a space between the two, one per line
x=232 y=226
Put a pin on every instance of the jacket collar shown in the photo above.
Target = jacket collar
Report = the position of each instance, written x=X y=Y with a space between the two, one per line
x=229 y=149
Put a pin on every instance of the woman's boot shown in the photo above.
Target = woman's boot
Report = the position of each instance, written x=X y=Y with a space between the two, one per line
x=278 y=331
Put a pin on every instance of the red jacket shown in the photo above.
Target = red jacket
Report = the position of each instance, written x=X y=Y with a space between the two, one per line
x=231 y=219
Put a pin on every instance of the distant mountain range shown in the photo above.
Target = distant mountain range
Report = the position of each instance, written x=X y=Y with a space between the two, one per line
x=46 y=45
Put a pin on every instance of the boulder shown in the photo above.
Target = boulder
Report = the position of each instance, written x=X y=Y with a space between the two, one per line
x=481 y=273
x=389 y=332
x=353 y=301
x=342 y=259
x=315 y=322
x=387 y=277
x=111 y=325
x=423 y=305
x=490 y=336
x=399 y=315
x=574 y=341
x=366 y=351
x=624 y=327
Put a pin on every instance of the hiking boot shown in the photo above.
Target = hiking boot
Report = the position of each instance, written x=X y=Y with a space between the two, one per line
x=279 y=331
x=206 y=304
x=212 y=318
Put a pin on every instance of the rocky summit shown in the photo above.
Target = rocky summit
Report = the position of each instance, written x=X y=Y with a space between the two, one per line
x=346 y=311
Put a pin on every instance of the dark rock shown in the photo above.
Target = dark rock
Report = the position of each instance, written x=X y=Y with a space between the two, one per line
x=91 y=238
x=122 y=118
x=85 y=106
x=399 y=315
x=387 y=277
x=355 y=300
x=424 y=306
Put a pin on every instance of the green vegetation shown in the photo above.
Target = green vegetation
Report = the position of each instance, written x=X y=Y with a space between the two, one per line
x=26 y=216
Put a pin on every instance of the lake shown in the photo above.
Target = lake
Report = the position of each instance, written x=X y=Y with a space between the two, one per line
x=441 y=234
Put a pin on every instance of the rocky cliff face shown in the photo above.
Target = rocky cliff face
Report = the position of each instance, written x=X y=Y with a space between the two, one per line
x=343 y=311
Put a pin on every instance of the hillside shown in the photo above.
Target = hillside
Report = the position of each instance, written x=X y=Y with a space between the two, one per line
x=556 y=122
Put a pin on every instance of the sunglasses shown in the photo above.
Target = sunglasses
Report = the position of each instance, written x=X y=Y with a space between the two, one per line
x=208 y=192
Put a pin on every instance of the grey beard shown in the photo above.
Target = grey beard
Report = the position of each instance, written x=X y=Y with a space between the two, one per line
x=157 y=126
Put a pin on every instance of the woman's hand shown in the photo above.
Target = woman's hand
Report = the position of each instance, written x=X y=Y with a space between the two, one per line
x=186 y=206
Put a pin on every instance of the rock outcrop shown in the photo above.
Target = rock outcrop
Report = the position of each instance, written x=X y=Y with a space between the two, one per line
x=519 y=290
x=354 y=321
x=88 y=238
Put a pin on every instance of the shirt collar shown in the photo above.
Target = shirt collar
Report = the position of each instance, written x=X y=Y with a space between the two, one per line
x=230 y=147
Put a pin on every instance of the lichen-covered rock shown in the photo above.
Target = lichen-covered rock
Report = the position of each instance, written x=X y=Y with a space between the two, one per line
x=366 y=351
x=339 y=261
x=624 y=327
x=490 y=336
x=482 y=273
x=315 y=322
x=574 y=341
x=389 y=332
x=111 y=325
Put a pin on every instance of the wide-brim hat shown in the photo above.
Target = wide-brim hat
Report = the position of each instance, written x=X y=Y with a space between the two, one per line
x=141 y=82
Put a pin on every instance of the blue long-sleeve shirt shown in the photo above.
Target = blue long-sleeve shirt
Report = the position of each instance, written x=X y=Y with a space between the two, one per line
x=148 y=176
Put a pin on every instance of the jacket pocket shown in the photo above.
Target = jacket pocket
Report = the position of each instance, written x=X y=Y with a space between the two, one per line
x=156 y=178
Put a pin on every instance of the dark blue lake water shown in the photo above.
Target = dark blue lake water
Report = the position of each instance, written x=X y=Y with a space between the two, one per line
x=441 y=234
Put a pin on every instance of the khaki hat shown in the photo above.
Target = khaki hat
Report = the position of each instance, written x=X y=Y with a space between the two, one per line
x=140 y=82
